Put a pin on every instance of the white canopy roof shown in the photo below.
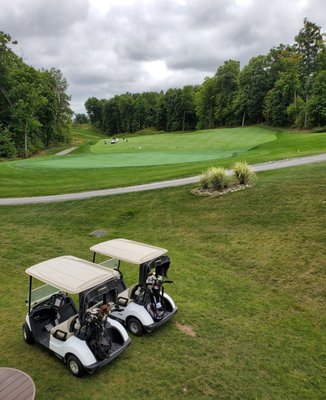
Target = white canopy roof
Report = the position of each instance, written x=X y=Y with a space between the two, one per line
x=128 y=250
x=71 y=274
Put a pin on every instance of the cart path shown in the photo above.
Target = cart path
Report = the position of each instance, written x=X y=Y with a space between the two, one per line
x=64 y=152
x=156 y=185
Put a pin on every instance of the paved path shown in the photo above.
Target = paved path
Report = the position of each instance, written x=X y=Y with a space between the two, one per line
x=64 y=152
x=156 y=185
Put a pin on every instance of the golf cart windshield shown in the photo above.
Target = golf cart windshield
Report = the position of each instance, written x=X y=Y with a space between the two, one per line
x=40 y=294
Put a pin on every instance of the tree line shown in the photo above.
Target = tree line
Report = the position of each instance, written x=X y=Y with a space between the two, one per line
x=34 y=106
x=285 y=88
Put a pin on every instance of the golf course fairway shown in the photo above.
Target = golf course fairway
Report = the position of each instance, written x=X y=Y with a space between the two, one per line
x=159 y=149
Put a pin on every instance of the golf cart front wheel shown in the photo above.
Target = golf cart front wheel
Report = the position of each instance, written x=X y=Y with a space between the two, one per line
x=134 y=326
x=27 y=334
x=75 y=366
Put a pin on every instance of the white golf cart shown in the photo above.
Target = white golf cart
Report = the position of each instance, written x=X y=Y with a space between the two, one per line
x=143 y=306
x=86 y=339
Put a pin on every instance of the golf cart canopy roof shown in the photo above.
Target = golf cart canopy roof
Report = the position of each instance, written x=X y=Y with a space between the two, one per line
x=71 y=274
x=128 y=250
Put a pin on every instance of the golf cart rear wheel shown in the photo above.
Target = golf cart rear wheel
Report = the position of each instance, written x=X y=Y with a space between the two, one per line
x=27 y=334
x=75 y=366
x=134 y=326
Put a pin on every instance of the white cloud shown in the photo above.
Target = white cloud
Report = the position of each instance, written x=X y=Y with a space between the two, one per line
x=108 y=47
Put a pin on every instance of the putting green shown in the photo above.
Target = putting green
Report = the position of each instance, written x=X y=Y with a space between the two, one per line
x=159 y=149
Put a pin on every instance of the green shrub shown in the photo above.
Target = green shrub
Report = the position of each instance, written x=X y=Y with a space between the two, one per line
x=243 y=173
x=319 y=129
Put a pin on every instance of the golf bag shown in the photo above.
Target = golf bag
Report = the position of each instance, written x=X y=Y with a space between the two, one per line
x=96 y=333
x=155 y=305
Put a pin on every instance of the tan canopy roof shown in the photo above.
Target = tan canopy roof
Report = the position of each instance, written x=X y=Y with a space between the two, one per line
x=128 y=250
x=71 y=274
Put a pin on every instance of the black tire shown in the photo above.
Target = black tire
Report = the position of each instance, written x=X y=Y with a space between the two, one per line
x=135 y=326
x=27 y=334
x=75 y=366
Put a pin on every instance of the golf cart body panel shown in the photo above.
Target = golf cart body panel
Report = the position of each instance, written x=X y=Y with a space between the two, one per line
x=73 y=346
x=145 y=301
x=138 y=311
x=133 y=310
x=86 y=338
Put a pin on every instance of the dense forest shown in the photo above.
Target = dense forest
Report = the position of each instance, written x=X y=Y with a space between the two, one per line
x=34 y=106
x=285 y=88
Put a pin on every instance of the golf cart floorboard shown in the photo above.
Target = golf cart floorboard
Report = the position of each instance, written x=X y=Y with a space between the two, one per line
x=115 y=347
x=44 y=340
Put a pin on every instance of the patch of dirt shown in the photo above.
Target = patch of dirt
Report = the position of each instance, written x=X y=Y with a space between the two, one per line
x=209 y=192
x=186 y=329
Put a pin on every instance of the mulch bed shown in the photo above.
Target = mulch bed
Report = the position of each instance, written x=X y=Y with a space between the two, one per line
x=209 y=192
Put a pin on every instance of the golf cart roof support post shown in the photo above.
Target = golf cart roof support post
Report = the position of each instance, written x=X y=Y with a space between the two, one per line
x=94 y=255
x=30 y=294
x=143 y=274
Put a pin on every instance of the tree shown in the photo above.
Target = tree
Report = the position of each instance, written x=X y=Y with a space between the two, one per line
x=205 y=102
x=308 y=43
x=94 y=108
x=161 y=112
x=227 y=84
x=283 y=94
x=253 y=87
x=81 y=119
x=139 y=113
x=7 y=63
x=7 y=145
x=34 y=105
x=26 y=99
x=317 y=101
x=126 y=105
x=111 y=116
x=63 y=112
x=189 y=118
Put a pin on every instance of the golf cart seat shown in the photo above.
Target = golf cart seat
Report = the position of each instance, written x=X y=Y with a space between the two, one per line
x=64 y=330
x=125 y=297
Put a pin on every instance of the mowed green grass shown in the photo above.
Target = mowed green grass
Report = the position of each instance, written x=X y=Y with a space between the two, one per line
x=249 y=279
x=96 y=165
x=159 y=149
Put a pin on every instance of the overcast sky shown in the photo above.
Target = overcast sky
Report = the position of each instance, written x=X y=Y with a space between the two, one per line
x=109 y=47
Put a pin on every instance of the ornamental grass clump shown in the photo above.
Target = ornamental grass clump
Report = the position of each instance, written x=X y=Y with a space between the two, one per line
x=217 y=179
x=243 y=173
x=204 y=180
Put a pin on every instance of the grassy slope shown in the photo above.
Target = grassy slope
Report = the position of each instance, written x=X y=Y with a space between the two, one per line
x=249 y=279
x=20 y=182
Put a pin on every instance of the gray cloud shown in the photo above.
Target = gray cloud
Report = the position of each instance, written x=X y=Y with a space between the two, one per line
x=108 y=47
